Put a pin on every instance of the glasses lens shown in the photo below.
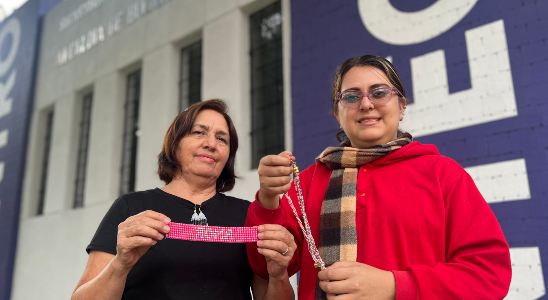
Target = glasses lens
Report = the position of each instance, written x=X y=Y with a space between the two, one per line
x=380 y=96
x=351 y=98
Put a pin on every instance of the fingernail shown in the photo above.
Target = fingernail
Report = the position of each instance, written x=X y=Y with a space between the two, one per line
x=167 y=220
x=261 y=228
x=260 y=235
x=260 y=243
x=166 y=228
x=160 y=237
x=291 y=156
x=154 y=242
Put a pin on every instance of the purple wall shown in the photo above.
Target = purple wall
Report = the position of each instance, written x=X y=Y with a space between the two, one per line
x=325 y=33
x=18 y=49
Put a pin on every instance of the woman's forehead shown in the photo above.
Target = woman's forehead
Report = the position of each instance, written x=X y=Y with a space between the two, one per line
x=211 y=119
x=364 y=77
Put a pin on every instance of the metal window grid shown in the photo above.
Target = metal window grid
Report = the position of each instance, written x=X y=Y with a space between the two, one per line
x=190 y=79
x=83 y=146
x=131 y=133
x=267 y=107
x=45 y=163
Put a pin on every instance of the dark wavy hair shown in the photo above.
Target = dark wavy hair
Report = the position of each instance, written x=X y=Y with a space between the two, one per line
x=360 y=61
x=181 y=127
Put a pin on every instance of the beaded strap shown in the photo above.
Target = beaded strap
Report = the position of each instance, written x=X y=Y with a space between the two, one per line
x=314 y=252
x=218 y=234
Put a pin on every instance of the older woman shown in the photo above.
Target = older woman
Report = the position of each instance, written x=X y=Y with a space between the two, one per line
x=128 y=256
x=393 y=219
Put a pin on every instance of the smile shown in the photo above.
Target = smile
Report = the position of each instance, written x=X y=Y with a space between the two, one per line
x=205 y=157
x=366 y=121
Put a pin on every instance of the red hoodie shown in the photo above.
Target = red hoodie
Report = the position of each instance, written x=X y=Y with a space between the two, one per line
x=419 y=215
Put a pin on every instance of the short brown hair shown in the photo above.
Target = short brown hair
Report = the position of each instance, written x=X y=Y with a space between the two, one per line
x=361 y=61
x=181 y=127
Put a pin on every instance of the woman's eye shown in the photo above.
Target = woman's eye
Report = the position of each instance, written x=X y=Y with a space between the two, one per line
x=223 y=140
x=378 y=94
x=350 y=98
x=198 y=132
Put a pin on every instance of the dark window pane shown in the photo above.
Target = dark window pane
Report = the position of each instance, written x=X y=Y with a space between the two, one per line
x=81 y=161
x=45 y=163
x=267 y=109
x=190 y=83
x=131 y=133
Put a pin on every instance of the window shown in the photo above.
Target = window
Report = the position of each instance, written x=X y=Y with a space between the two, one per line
x=190 y=83
x=267 y=108
x=131 y=133
x=45 y=162
x=83 y=146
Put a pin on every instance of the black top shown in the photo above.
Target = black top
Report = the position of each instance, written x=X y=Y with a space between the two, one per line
x=177 y=269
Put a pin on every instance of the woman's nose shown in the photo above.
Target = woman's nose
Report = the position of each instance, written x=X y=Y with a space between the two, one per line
x=366 y=104
x=210 y=142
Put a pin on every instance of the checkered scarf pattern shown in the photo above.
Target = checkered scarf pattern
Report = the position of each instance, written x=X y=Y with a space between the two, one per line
x=338 y=239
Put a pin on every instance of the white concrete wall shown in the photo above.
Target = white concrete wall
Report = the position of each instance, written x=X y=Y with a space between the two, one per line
x=104 y=156
x=159 y=102
x=50 y=254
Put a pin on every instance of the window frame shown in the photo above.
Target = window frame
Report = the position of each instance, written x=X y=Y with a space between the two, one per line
x=267 y=130
x=48 y=136
x=190 y=74
x=130 y=135
x=83 y=150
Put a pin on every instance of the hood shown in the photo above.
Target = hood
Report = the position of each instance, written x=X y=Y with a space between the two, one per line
x=409 y=151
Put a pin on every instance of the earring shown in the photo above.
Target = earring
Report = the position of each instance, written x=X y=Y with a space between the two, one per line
x=198 y=219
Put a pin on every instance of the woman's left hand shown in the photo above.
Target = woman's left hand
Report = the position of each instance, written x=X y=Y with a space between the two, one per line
x=353 y=280
x=277 y=245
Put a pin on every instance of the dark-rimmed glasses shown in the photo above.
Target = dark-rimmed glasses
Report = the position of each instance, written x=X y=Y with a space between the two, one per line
x=377 y=96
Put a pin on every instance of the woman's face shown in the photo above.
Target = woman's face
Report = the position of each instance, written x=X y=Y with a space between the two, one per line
x=204 y=152
x=368 y=125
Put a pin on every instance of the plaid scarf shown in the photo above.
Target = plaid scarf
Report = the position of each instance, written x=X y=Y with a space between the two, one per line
x=337 y=236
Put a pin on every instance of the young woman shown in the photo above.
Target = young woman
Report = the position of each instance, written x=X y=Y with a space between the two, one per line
x=392 y=218
x=129 y=257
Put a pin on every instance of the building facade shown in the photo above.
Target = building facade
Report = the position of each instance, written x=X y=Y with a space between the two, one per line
x=112 y=75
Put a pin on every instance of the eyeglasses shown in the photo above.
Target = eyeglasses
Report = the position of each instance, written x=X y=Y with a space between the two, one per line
x=377 y=96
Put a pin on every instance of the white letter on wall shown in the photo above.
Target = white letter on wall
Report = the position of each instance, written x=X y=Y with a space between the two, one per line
x=13 y=26
x=502 y=181
x=5 y=89
x=396 y=27
x=527 y=279
x=491 y=97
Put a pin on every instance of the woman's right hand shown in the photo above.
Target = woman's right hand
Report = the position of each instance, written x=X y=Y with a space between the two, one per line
x=277 y=245
x=137 y=234
x=275 y=177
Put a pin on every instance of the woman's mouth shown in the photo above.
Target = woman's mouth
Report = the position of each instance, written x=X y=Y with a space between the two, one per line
x=205 y=157
x=369 y=121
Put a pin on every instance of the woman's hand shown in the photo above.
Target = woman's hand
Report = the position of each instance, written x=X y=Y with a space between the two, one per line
x=353 y=280
x=137 y=234
x=278 y=246
x=275 y=177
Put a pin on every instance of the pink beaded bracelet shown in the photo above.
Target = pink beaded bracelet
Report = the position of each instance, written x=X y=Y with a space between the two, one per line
x=218 y=234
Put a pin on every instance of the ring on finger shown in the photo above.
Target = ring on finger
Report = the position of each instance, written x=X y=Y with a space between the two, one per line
x=287 y=250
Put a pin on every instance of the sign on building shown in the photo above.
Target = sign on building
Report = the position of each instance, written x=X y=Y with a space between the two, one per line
x=18 y=43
